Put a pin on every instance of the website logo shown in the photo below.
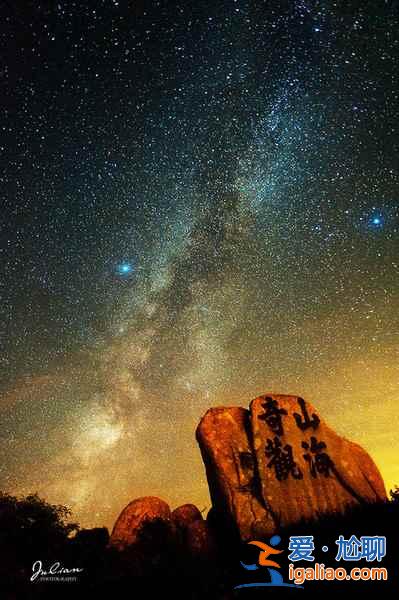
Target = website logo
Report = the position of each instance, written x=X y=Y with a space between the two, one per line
x=266 y=550
x=366 y=548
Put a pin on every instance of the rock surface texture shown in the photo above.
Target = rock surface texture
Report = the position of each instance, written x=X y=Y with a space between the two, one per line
x=279 y=462
x=224 y=438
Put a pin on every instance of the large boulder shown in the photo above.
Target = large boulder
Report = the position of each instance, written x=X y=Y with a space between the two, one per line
x=279 y=462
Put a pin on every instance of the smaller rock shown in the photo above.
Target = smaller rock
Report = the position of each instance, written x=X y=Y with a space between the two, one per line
x=140 y=516
x=185 y=515
x=200 y=543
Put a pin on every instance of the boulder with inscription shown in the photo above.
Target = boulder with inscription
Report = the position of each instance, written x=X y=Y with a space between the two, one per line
x=280 y=462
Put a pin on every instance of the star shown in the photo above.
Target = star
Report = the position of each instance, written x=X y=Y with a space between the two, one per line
x=124 y=269
x=377 y=221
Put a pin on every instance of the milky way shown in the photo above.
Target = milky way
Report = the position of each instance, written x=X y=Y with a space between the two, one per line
x=199 y=203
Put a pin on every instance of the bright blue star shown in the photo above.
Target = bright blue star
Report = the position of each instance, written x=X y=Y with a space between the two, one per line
x=376 y=221
x=124 y=268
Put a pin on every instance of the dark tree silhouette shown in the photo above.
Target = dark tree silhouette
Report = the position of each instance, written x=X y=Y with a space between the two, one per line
x=31 y=529
x=394 y=493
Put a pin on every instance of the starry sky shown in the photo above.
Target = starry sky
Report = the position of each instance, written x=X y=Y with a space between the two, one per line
x=199 y=204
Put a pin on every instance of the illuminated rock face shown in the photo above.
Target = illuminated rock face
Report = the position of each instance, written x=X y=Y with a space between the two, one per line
x=138 y=515
x=279 y=462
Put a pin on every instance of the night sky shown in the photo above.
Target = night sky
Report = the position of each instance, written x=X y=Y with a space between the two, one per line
x=199 y=204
